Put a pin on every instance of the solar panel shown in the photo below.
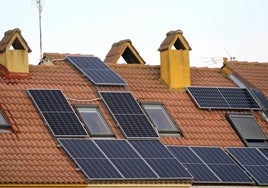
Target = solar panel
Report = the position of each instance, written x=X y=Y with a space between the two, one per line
x=90 y=159
x=198 y=169
x=254 y=161
x=151 y=149
x=222 y=165
x=134 y=168
x=57 y=112
x=129 y=115
x=210 y=165
x=223 y=98
x=118 y=159
x=117 y=149
x=96 y=70
x=160 y=159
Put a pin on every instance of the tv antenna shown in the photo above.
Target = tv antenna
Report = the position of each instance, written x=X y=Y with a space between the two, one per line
x=231 y=57
x=40 y=9
x=212 y=61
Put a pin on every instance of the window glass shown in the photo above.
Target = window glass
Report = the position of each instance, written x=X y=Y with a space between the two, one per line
x=4 y=126
x=94 y=121
x=160 y=118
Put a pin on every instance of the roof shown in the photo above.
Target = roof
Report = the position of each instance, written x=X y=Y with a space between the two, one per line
x=7 y=38
x=30 y=154
x=253 y=72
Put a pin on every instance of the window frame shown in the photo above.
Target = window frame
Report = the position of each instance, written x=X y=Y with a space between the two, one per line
x=96 y=110
x=248 y=137
x=172 y=124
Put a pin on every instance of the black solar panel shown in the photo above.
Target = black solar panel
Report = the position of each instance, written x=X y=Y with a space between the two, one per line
x=160 y=158
x=118 y=159
x=222 y=165
x=117 y=149
x=96 y=70
x=57 y=112
x=254 y=161
x=223 y=98
x=129 y=115
x=198 y=169
x=210 y=165
x=212 y=155
x=134 y=168
x=151 y=149
x=90 y=159
x=98 y=169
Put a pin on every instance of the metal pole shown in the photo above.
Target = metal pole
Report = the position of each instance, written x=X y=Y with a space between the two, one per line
x=40 y=29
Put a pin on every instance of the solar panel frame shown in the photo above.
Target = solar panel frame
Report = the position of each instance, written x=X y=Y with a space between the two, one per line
x=129 y=115
x=57 y=113
x=253 y=160
x=93 y=68
x=223 y=98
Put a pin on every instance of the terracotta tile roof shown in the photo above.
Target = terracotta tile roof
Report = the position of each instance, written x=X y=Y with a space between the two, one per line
x=30 y=154
x=199 y=127
x=253 y=72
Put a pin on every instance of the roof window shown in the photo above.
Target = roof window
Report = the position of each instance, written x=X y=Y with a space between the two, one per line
x=4 y=125
x=94 y=121
x=248 y=130
x=161 y=119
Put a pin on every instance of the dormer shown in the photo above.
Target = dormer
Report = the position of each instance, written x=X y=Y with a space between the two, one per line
x=14 y=54
x=126 y=50
x=174 y=60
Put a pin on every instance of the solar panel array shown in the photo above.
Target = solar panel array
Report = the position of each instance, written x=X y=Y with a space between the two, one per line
x=223 y=98
x=122 y=159
x=96 y=70
x=129 y=115
x=57 y=112
x=254 y=161
x=210 y=165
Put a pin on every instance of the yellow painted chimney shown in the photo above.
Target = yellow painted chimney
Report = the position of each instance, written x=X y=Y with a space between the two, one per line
x=14 y=54
x=174 y=59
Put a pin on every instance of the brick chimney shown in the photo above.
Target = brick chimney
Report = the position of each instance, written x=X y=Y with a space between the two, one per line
x=174 y=60
x=14 y=54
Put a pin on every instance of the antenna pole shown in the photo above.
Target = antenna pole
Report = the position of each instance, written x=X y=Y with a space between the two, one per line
x=39 y=6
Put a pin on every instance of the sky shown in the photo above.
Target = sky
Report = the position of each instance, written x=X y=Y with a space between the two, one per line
x=213 y=28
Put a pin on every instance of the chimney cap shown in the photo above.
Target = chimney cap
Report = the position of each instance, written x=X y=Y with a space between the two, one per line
x=175 y=38
x=174 y=32
x=8 y=36
x=121 y=42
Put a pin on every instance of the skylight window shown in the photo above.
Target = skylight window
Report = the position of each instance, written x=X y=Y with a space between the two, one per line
x=248 y=129
x=4 y=125
x=94 y=121
x=161 y=119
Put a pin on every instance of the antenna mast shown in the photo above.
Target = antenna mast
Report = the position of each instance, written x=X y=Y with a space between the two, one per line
x=40 y=8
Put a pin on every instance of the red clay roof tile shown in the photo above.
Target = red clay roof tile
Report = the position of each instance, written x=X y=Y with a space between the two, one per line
x=30 y=153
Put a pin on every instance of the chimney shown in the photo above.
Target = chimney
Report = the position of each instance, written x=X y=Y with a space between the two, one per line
x=14 y=54
x=126 y=50
x=174 y=60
